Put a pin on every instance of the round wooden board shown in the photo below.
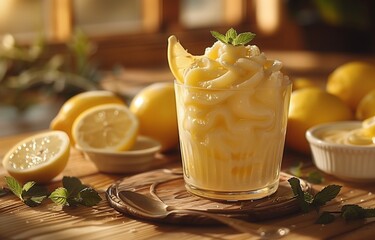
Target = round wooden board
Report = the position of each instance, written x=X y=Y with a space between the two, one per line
x=168 y=186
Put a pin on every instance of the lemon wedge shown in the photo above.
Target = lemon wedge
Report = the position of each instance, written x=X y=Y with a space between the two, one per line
x=178 y=58
x=38 y=158
x=109 y=127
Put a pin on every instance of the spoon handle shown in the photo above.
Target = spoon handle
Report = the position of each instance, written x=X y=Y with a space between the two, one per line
x=239 y=225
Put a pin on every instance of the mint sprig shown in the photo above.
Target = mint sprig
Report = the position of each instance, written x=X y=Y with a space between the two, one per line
x=308 y=202
x=72 y=193
x=231 y=37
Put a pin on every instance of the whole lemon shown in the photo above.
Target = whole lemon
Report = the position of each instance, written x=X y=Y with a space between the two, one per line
x=303 y=82
x=351 y=82
x=309 y=107
x=155 y=107
x=366 y=107
x=77 y=104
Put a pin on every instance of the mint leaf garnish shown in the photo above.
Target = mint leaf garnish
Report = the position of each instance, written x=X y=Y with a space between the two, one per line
x=231 y=37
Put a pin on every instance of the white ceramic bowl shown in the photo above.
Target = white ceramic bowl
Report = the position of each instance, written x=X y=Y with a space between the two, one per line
x=140 y=158
x=348 y=162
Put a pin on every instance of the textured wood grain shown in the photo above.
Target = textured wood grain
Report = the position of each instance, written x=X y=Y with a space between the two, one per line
x=48 y=221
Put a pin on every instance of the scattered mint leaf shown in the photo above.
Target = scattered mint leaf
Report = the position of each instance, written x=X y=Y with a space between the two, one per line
x=72 y=193
x=315 y=177
x=325 y=195
x=352 y=212
x=297 y=170
x=30 y=193
x=231 y=37
x=27 y=186
x=303 y=198
x=73 y=185
x=325 y=218
x=34 y=194
x=75 y=193
x=89 y=197
x=59 y=196
x=14 y=186
x=309 y=202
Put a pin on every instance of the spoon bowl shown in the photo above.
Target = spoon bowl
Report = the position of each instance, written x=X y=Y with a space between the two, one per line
x=158 y=209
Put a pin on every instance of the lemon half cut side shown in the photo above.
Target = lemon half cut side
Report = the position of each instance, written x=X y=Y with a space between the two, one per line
x=108 y=127
x=38 y=158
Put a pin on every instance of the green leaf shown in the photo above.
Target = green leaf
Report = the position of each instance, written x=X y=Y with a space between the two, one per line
x=243 y=38
x=301 y=196
x=352 y=212
x=73 y=185
x=59 y=196
x=326 y=194
x=325 y=218
x=33 y=194
x=296 y=170
x=315 y=177
x=89 y=197
x=230 y=35
x=27 y=186
x=219 y=36
x=14 y=186
x=34 y=201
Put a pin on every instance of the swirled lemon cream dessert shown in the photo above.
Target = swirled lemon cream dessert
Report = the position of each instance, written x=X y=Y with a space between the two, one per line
x=232 y=104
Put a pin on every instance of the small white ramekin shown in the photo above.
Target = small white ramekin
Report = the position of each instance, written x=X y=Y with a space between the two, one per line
x=140 y=158
x=348 y=162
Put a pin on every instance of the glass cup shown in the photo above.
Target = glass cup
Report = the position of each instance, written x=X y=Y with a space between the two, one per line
x=232 y=140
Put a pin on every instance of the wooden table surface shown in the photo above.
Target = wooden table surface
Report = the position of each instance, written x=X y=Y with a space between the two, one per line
x=49 y=221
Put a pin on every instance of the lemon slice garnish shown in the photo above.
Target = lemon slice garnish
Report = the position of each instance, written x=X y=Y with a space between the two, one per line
x=178 y=58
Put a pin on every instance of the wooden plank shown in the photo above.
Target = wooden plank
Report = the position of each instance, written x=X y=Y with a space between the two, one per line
x=18 y=221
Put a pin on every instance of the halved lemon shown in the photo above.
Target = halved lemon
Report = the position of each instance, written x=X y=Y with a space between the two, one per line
x=178 y=58
x=38 y=158
x=77 y=104
x=110 y=127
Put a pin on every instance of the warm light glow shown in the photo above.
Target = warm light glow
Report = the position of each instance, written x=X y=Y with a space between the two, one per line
x=151 y=15
x=268 y=15
x=5 y=7
x=63 y=19
x=233 y=11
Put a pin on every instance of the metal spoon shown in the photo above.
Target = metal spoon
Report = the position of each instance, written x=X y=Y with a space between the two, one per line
x=157 y=209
